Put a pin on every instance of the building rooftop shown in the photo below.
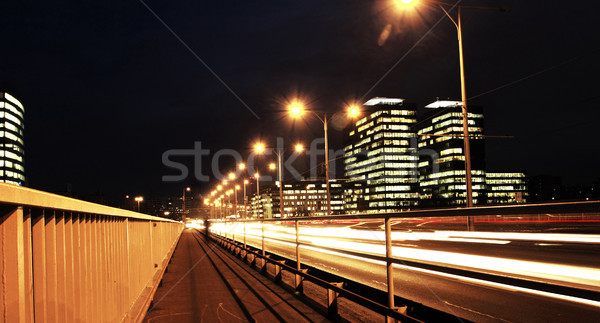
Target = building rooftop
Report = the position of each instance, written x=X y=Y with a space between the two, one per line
x=444 y=104
x=378 y=100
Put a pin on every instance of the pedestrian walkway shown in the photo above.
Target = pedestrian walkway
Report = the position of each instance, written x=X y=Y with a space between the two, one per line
x=205 y=284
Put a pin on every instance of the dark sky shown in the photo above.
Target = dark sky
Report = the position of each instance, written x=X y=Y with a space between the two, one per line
x=107 y=87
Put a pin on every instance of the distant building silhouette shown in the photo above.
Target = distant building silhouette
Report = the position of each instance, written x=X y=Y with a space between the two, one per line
x=545 y=188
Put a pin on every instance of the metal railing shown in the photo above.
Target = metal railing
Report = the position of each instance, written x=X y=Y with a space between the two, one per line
x=66 y=260
x=574 y=211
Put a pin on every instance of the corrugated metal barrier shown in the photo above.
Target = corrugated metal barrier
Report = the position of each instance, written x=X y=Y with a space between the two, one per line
x=66 y=260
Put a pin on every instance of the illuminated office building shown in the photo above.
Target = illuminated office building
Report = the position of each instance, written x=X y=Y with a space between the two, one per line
x=380 y=158
x=441 y=156
x=506 y=187
x=303 y=198
x=309 y=198
x=12 y=146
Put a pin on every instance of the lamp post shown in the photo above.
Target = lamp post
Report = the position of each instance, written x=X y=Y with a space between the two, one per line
x=259 y=148
x=219 y=188
x=465 y=116
x=241 y=167
x=245 y=207
x=139 y=199
x=187 y=189
x=237 y=187
x=296 y=109
x=228 y=194
x=257 y=176
x=222 y=206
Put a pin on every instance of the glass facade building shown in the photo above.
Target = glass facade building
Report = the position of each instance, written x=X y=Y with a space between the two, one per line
x=442 y=160
x=380 y=158
x=12 y=145
x=304 y=198
x=506 y=187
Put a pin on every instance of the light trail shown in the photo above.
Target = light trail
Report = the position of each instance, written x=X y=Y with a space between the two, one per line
x=534 y=269
x=506 y=286
x=552 y=237
x=371 y=242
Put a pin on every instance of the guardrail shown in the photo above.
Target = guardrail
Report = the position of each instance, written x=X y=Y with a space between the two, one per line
x=65 y=260
x=574 y=211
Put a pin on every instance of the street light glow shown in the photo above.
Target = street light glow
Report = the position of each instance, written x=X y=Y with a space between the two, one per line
x=353 y=110
x=296 y=108
x=242 y=166
x=299 y=147
x=272 y=166
x=259 y=147
x=404 y=4
x=231 y=176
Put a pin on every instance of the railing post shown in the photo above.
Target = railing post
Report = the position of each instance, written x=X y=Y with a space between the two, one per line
x=263 y=261
x=70 y=265
x=128 y=254
x=12 y=297
x=103 y=266
x=389 y=265
x=28 y=258
x=51 y=266
x=332 y=301
x=85 y=267
x=278 y=276
x=61 y=266
x=297 y=278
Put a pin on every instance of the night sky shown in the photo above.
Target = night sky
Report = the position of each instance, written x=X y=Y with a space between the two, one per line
x=108 y=86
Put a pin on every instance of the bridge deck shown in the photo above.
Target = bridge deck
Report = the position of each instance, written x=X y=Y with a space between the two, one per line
x=203 y=283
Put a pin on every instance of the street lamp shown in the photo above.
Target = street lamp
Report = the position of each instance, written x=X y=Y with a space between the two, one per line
x=259 y=148
x=296 y=110
x=139 y=199
x=228 y=194
x=221 y=202
x=257 y=176
x=237 y=187
x=467 y=149
x=245 y=207
x=353 y=110
x=187 y=189
x=242 y=166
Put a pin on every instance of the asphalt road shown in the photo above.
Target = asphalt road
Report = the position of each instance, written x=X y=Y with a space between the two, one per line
x=562 y=263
